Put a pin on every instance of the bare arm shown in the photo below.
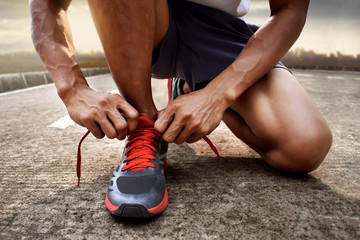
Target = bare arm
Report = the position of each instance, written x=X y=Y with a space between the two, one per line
x=192 y=116
x=99 y=112
x=52 y=38
x=264 y=49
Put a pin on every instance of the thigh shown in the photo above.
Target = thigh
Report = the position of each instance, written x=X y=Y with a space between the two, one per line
x=278 y=112
x=161 y=21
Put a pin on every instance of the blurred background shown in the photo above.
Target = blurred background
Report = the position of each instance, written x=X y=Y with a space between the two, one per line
x=330 y=39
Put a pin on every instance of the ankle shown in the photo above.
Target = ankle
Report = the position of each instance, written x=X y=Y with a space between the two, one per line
x=152 y=115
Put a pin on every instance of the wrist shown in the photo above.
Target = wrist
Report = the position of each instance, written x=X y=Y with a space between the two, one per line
x=216 y=97
x=68 y=82
x=67 y=91
x=224 y=89
x=68 y=88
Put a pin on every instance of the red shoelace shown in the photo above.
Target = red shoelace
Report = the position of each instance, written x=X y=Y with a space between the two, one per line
x=139 y=150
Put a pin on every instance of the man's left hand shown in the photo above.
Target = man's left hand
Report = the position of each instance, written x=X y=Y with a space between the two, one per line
x=190 y=117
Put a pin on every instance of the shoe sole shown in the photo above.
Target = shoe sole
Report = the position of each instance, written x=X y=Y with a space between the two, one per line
x=136 y=210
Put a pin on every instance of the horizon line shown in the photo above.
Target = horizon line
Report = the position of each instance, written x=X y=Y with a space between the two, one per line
x=98 y=51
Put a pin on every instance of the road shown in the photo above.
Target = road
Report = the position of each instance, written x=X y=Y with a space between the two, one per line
x=240 y=197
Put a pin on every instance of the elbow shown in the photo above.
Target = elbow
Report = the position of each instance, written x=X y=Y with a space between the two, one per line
x=294 y=11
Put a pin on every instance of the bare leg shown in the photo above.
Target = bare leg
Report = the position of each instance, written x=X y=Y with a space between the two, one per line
x=278 y=119
x=129 y=32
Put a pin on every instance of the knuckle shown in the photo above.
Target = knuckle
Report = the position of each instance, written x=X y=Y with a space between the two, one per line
x=177 y=125
x=86 y=119
x=92 y=113
x=196 y=124
x=174 y=106
x=195 y=116
x=133 y=115
x=111 y=135
x=158 y=127
x=202 y=132
x=98 y=115
x=167 y=138
x=121 y=136
x=102 y=122
x=98 y=134
x=120 y=126
x=158 y=130
x=187 y=116
x=179 y=141
x=105 y=100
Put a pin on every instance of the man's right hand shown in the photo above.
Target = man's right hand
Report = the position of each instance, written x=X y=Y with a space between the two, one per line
x=102 y=113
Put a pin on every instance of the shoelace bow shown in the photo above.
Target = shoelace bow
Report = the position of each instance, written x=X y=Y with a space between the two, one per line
x=138 y=157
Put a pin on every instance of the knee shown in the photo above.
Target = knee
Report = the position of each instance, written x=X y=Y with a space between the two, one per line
x=302 y=153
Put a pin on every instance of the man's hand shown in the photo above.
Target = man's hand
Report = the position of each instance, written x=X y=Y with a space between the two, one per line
x=190 y=117
x=102 y=113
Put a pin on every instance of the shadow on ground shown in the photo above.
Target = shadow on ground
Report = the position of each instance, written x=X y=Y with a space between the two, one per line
x=208 y=199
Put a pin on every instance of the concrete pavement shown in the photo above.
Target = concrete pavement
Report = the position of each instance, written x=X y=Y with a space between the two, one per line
x=238 y=198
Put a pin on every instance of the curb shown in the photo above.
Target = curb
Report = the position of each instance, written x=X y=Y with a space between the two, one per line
x=16 y=81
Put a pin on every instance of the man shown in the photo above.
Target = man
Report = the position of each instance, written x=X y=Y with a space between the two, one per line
x=231 y=71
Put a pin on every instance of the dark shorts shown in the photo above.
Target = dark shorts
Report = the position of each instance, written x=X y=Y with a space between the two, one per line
x=200 y=43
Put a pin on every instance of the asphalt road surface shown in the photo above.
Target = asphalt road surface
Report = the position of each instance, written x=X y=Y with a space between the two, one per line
x=238 y=198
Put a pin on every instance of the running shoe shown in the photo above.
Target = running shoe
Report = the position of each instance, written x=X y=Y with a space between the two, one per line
x=137 y=187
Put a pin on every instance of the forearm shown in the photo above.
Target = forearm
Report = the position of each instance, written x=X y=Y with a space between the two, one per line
x=264 y=49
x=53 y=41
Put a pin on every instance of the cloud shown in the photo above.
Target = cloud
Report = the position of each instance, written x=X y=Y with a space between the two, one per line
x=330 y=9
x=331 y=26
x=260 y=5
x=318 y=9
x=15 y=46
x=330 y=23
x=14 y=9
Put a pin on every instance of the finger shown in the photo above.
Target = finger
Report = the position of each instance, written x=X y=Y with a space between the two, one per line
x=173 y=131
x=163 y=122
x=159 y=113
x=119 y=124
x=195 y=137
x=95 y=130
x=192 y=126
x=182 y=137
x=107 y=128
x=130 y=113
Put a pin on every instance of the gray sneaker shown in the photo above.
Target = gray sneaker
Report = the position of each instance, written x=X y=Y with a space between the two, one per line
x=137 y=187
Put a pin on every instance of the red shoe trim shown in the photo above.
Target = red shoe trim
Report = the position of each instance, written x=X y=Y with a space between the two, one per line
x=161 y=207
x=109 y=206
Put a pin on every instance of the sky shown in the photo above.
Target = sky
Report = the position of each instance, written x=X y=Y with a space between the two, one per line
x=331 y=26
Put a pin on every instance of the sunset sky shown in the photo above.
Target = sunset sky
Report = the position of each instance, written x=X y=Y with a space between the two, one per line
x=331 y=26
